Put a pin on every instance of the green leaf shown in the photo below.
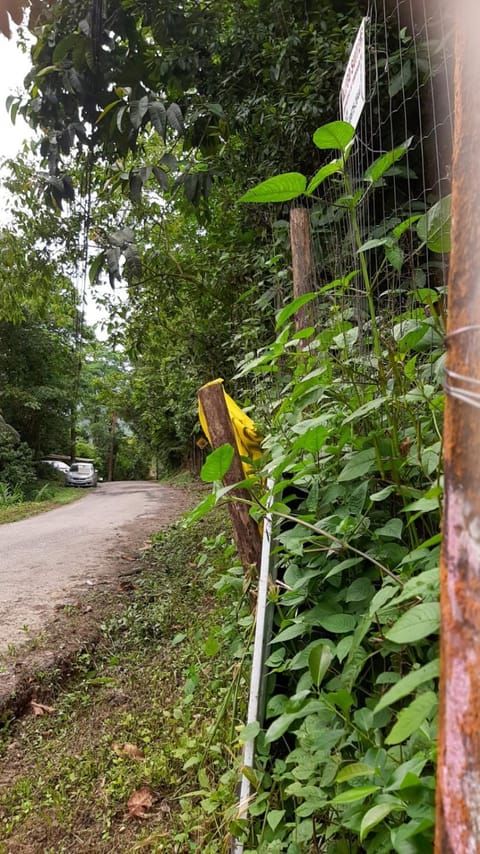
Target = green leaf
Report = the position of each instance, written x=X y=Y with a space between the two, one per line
x=280 y=188
x=290 y=309
x=391 y=529
x=434 y=226
x=373 y=817
x=158 y=118
x=211 y=647
x=319 y=661
x=249 y=732
x=217 y=464
x=352 y=795
x=280 y=726
x=360 y=464
x=138 y=110
x=95 y=267
x=337 y=135
x=312 y=440
x=337 y=623
x=378 y=168
x=395 y=255
x=365 y=409
x=175 y=119
x=322 y=174
x=274 y=817
x=417 y=623
x=408 y=684
x=410 y=719
x=357 y=769
x=374 y=243
x=293 y=631
x=201 y=509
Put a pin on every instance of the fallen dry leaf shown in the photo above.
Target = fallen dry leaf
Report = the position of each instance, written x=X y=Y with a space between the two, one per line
x=139 y=802
x=128 y=749
x=41 y=708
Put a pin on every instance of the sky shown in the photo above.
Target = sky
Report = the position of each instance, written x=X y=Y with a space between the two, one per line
x=14 y=66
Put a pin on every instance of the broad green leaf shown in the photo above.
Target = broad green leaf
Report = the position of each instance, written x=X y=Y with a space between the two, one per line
x=417 y=623
x=382 y=164
x=280 y=726
x=217 y=464
x=274 y=817
x=337 y=623
x=374 y=243
x=290 y=309
x=280 y=188
x=383 y=493
x=95 y=267
x=434 y=226
x=360 y=464
x=410 y=719
x=359 y=590
x=357 y=769
x=201 y=509
x=373 y=817
x=319 y=661
x=211 y=647
x=312 y=440
x=293 y=631
x=422 y=505
x=138 y=110
x=352 y=795
x=158 y=118
x=402 y=227
x=249 y=732
x=408 y=684
x=337 y=135
x=175 y=118
x=391 y=529
x=395 y=255
x=365 y=409
x=322 y=174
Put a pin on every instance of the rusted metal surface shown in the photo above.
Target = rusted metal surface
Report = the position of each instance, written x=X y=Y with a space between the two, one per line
x=245 y=531
x=458 y=784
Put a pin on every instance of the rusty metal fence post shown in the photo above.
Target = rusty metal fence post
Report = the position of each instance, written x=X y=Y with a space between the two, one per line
x=458 y=784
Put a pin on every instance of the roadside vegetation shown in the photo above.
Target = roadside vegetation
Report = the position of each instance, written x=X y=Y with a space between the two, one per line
x=172 y=148
x=14 y=507
x=141 y=746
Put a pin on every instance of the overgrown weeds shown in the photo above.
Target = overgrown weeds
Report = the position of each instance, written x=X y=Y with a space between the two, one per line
x=141 y=748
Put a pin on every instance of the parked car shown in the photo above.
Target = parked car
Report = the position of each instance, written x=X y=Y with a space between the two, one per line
x=57 y=464
x=81 y=474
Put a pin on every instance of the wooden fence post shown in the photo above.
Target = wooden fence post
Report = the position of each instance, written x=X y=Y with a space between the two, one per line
x=302 y=265
x=245 y=530
x=458 y=782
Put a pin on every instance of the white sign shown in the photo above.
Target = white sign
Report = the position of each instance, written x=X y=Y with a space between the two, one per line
x=353 y=84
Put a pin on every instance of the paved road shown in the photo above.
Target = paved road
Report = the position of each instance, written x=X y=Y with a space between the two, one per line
x=45 y=558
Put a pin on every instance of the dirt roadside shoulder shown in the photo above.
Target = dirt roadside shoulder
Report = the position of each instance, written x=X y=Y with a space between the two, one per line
x=47 y=655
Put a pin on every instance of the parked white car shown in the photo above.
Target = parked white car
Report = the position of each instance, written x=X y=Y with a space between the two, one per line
x=57 y=464
x=81 y=474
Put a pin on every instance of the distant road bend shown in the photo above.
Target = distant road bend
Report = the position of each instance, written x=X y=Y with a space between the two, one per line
x=44 y=558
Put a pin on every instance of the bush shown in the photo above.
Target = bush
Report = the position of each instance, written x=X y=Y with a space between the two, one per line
x=16 y=463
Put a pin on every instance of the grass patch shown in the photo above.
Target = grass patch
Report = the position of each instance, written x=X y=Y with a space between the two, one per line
x=155 y=709
x=57 y=496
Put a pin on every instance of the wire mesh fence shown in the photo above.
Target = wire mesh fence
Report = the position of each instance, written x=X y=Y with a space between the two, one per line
x=408 y=103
